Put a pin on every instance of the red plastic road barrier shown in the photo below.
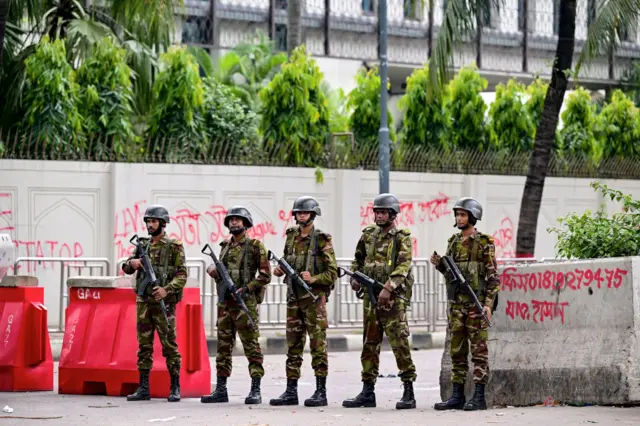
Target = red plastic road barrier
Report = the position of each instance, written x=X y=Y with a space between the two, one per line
x=26 y=363
x=99 y=350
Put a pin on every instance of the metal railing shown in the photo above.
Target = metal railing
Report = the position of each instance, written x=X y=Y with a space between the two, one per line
x=67 y=264
x=428 y=307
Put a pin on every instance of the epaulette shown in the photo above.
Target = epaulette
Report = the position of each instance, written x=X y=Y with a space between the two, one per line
x=176 y=242
x=404 y=231
x=486 y=238
x=291 y=229
x=369 y=229
x=224 y=242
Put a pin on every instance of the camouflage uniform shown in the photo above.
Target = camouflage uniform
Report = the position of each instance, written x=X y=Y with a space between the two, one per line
x=230 y=317
x=167 y=257
x=475 y=256
x=386 y=257
x=243 y=258
x=313 y=253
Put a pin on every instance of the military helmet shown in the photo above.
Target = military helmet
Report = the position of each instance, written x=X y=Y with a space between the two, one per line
x=470 y=205
x=306 y=204
x=239 y=211
x=156 y=211
x=387 y=201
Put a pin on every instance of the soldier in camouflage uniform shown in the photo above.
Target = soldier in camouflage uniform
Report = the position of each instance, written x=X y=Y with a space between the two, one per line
x=384 y=253
x=474 y=253
x=310 y=253
x=243 y=257
x=168 y=261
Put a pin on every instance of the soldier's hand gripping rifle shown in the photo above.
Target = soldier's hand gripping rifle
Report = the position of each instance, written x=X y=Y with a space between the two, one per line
x=459 y=280
x=227 y=283
x=373 y=287
x=149 y=273
x=294 y=278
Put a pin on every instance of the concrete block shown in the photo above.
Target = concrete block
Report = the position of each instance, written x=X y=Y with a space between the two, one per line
x=566 y=330
x=100 y=282
x=7 y=254
x=19 y=281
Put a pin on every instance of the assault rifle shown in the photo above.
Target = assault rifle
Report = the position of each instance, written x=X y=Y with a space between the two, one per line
x=227 y=283
x=149 y=273
x=373 y=287
x=292 y=275
x=459 y=280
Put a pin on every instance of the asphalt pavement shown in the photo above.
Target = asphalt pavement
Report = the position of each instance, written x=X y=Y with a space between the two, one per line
x=49 y=408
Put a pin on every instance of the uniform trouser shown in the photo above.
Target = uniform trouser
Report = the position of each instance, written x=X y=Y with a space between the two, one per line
x=467 y=326
x=393 y=323
x=232 y=319
x=307 y=317
x=149 y=319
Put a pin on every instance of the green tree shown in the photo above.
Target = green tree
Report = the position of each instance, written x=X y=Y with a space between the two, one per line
x=537 y=91
x=227 y=119
x=591 y=236
x=466 y=109
x=249 y=67
x=579 y=120
x=295 y=114
x=51 y=101
x=618 y=128
x=106 y=97
x=511 y=128
x=425 y=122
x=177 y=124
x=364 y=101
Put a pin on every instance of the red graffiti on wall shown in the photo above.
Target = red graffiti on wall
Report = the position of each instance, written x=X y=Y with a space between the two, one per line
x=193 y=228
x=538 y=311
x=560 y=280
x=503 y=239
x=411 y=212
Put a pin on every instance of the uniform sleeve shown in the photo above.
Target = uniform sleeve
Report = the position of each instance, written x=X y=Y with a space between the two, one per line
x=440 y=266
x=491 y=268
x=403 y=262
x=180 y=278
x=357 y=265
x=125 y=266
x=327 y=256
x=264 y=268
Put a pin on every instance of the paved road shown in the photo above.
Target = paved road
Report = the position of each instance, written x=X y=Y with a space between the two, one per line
x=344 y=382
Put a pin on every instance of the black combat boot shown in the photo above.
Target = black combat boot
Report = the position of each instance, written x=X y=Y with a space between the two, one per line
x=319 y=398
x=477 y=402
x=366 y=398
x=142 y=393
x=219 y=394
x=290 y=396
x=457 y=400
x=174 y=393
x=254 y=396
x=408 y=399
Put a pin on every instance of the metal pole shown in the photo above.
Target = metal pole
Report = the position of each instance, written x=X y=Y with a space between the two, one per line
x=384 y=130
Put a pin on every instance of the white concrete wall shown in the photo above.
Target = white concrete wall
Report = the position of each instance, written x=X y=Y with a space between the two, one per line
x=72 y=209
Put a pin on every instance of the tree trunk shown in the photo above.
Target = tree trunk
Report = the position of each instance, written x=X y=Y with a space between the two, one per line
x=4 y=15
x=545 y=135
x=294 y=30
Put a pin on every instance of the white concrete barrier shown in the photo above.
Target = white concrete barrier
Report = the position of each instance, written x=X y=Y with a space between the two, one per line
x=566 y=330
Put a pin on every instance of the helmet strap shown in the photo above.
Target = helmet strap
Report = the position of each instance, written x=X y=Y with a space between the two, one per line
x=306 y=222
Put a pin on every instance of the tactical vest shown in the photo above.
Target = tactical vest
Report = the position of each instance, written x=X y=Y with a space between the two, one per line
x=163 y=270
x=305 y=261
x=241 y=277
x=472 y=267
x=381 y=270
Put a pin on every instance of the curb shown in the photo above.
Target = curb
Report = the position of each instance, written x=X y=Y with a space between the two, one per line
x=419 y=340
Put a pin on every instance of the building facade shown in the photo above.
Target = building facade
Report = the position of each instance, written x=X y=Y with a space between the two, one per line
x=351 y=37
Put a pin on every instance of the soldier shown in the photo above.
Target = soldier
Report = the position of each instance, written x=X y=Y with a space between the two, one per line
x=384 y=253
x=309 y=251
x=243 y=257
x=474 y=253
x=168 y=261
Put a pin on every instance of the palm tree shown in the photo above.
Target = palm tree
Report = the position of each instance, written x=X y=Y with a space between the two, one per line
x=294 y=24
x=142 y=27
